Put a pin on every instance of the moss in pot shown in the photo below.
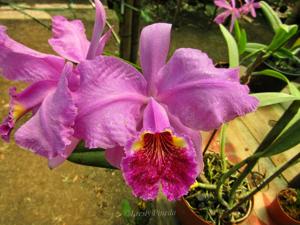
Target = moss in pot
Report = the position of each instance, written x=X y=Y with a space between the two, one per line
x=204 y=201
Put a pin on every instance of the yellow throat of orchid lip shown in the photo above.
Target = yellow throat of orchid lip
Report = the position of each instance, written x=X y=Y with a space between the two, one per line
x=18 y=111
x=177 y=142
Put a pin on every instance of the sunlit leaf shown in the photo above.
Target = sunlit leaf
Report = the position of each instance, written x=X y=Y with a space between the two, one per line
x=233 y=51
x=271 y=15
x=270 y=98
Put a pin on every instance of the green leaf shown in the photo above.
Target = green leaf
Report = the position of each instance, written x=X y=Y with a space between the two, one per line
x=243 y=42
x=289 y=139
x=272 y=73
x=126 y=208
x=146 y=16
x=233 y=51
x=284 y=53
x=252 y=47
x=271 y=15
x=90 y=157
x=270 y=98
x=292 y=121
x=282 y=35
x=241 y=37
x=237 y=30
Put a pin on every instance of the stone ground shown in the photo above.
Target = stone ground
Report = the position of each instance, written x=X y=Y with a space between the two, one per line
x=32 y=194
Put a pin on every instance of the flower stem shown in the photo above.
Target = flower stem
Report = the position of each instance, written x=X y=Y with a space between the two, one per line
x=222 y=150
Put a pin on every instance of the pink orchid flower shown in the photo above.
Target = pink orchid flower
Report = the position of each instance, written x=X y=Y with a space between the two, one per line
x=150 y=123
x=49 y=96
x=230 y=10
x=250 y=6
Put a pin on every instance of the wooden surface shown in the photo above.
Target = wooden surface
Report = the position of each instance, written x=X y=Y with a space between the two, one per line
x=243 y=137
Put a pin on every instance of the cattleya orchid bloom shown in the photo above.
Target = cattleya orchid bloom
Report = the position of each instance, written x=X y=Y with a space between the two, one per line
x=49 y=95
x=250 y=6
x=149 y=123
x=230 y=10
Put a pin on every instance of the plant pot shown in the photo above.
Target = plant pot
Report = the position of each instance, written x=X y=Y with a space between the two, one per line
x=278 y=214
x=187 y=216
x=261 y=83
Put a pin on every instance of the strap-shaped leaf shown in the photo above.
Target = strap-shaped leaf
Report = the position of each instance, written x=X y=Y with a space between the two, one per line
x=271 y=15
x=271 y=98
x=233 y=51
x=289 y=139
x=253 y=47
x=283 y=33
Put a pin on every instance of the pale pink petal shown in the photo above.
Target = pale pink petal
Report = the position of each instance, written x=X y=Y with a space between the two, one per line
x=98 y=29
x=69 y=39
x=49 y=132
x=59 y=159
x=103 y=40
x=18 y=62
x=220 y=19
x=21 y=103
x=115 y=155
x=109 y=98
x=154 y=48
x=222 y=4
x=200 y=95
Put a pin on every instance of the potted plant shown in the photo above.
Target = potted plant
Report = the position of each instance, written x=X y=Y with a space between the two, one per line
x=280 y=55
x=222 y=193
x=285 y=208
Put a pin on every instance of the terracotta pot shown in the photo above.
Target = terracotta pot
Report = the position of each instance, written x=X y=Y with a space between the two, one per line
x=187 y=216
x=277 y=214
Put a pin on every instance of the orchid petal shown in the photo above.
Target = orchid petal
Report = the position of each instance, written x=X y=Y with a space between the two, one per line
x=200 y=95
x=23 y=102
x=104 y=39
x=222 y=4
x=19 y=62
x=220 y=19
x=69 y=39
x=115 y=155
x=58 y=160
x=98 y=29
x=109 y=99
x=154 y=48
x=49 y=132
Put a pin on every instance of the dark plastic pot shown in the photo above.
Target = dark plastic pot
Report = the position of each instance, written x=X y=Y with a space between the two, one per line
x=277 y=213
x=187 y=216
x=269 y=84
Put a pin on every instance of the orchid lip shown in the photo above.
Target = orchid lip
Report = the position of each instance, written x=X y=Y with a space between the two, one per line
x=157 y=160
x=158 y=143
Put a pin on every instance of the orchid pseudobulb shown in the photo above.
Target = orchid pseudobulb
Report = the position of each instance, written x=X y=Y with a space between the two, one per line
x=149 y=123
